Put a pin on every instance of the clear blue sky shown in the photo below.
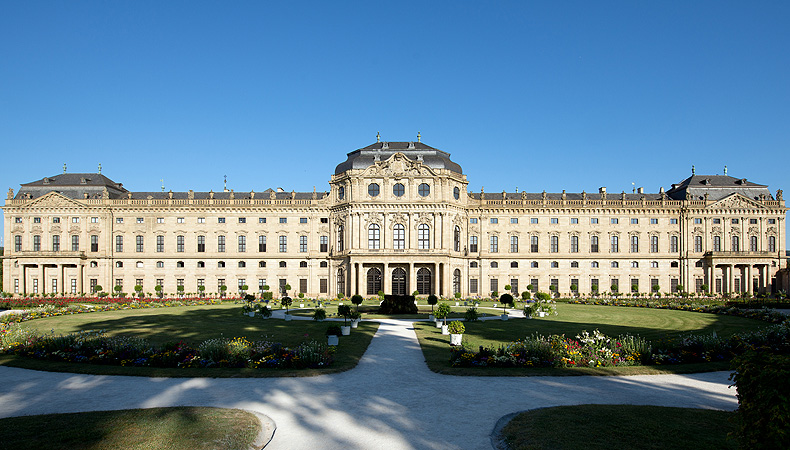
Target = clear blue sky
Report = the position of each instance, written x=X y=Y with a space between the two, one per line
x=549 y=95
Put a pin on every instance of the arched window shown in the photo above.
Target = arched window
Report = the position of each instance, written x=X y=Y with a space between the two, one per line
x=323 y=264
x=513 y=244
x=119 y=264
x=615 y=264
x=456 y=280
x=374 y=281
x=341 y=281
x=753 y=244
x=283 y=264
x=424 y=281
x=473 y=264
x=457 y=238
x=514 y=264
x=716 y=243
x=533 y=244
x=555 y=265
x=574 y=264
x=398 y=237
x=494 y=244
x=261 y=264
x=594 y=244
x=302 y=264
x=615 y=244
x=771 y=243
x=634 y=244
x=423 y=237
x=673 y=244
x=180 y=264
x=398 y=281
x=242 y=264
x=574 y=244
x=340 y=238
x=534 y=264
x=494 y=265
x=736 y=244
x=698 y=244
x=555 y=244
x=374 y=237
x=653 y=244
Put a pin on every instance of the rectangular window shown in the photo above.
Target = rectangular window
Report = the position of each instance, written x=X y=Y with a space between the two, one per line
x=513 y=244
x=753 y=221
x=201 y=220
x=160 y=220
x=593 y=244
x=221 y=244
x=594 y=220
x=180 y=244
x=242 y=220
x=139 y=244
x=634 y=221
x=514 y=286
x=17 y=243
x=93 y=283
x=716 y=221
x=555 y=244
x=242 y=244
x=615 y=244
x=94 y=243
x=303 y=285
x=180 y=220
x=323 y=286
x=673 y=244
x=473 y=285
x=55 y=243
x=634 y=244
x=494 y=285
x=555 y=220
x=716 y=243
x=634 y=284
x=160 y=244
x=697 y=220
x=140 y=220
x=283 y=220
x=718 y=285
x=119 y=244
x=574 y=244
x=534 y=283
x=303 y=244
x=698 y=285
x=735 y=221
x=118 y=284
x=201 y=244
x=261 y=243
x=241 y=284
x=261 y=284
x=17 y=220
x=653 y=244
x=514 y=220
x=653 y=221
x=57 y=220
x=325 y=220
x=494 y=247
x=261 y=220
x=54 y=285
x=37 y=220
x=36 y=243
x=471 y=220
x=283 y=244
x=533 y=244
x=494 y=220
x=614 y=221
x=771 y=221
x=574 y=220
x=75 y=220
x=323 y=243
x=303 y=220
x=220 y=220
x=533 y=220
x=673 y=221
x=73 y=285
x=119 y=220
x=673 y=285
x=698 y=244
x=473 y=244
x=574 y=285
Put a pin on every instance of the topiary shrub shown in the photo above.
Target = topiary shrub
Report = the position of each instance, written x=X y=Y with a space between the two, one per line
x=249 y=297
x=443 y=311
x=471 y=315
x=525 y=295
x=398 y=304
x=357 y=300
x=432 y=300
x=319 y=314
x=345 y=311
x=506 y=299
x=456 y=327
x=763 y=400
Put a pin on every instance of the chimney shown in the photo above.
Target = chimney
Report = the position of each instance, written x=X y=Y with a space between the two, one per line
x=602 y=190
x=640 y=190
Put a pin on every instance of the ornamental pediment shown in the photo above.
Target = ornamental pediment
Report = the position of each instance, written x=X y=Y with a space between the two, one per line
x=736 y=201
x=53 y=200
x=398 y=165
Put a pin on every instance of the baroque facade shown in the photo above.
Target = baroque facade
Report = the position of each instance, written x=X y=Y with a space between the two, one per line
x=398 y=218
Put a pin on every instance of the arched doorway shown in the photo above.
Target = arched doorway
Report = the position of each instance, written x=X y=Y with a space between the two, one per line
x=399 y=281
x=456 y=281
x=374 y=281
x=424 y=281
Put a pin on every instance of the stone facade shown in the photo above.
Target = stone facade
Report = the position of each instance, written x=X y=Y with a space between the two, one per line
x=398 y=218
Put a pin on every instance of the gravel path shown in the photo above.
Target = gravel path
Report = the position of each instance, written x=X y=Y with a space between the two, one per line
x=391 y=400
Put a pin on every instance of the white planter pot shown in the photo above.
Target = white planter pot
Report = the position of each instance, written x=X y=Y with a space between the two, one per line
x=504 y=316
x=301 y=305
x=457 y=304
x=345 y=330
x=287 y=317
x=332 y=340
x=438 y=324
x=455 y=339
x=354 y=323
x=541 y=314
x=444 y=330
x=251 y=313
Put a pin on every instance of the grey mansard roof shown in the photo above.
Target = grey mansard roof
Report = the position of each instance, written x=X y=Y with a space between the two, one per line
x=73 y=185
x=365 y=157
x=717 y=187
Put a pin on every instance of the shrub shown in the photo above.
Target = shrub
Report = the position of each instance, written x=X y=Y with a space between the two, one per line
x=506 y=299
x=286 y=301
x=442 y=311
x=530 y=309
x=525 y=295
x=357 y=300
x=319 y=314
x=432 y=300
x=542 y=296
x=763 y=400
x=247 y=297
x=398 y=304
x=264 y=311
x=456 y=327
x=471 y=315
x=333 y=330
x=345 y=311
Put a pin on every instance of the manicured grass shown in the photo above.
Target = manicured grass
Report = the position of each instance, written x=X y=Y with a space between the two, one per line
x=181 y=428
x=651 y=324
x=193 y=325
x=590 y=427
x=370 y=311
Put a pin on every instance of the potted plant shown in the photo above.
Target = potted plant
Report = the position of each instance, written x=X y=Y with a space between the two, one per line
x=319 y=314
x=222 y=290
x=432 y=300
x=201 y=289
x=355 y=317
x=530 y=309
x=286 y=301
x=286 y=288
x=345 y=311
x=357 y=300
x=594 y=289
x=442 y=311
x=247 y=310
x=574 y=290
x=456 y=330
x=333 y=335
x=506 y=299
x=263 y=311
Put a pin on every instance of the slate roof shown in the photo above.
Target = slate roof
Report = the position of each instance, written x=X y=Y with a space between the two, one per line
x=568 y=196
x=73 y=185
x=716 y=187
x=366 y=156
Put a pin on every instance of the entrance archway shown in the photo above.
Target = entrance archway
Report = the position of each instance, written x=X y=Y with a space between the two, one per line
x=399 y=281
x=374 y=281
x=424 y=281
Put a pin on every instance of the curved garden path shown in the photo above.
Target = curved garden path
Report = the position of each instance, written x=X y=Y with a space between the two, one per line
x=391 y=400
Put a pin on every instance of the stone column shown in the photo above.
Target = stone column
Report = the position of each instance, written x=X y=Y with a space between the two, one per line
x=749 y=287
x=42 y=284
x=61 y=278
x=385 y=276
x=80 y=275
x=23 y=288
x=711 y=280
x=352 y=282
x=412 y=280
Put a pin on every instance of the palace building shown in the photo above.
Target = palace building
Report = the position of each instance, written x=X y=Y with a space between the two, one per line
x=398 y=218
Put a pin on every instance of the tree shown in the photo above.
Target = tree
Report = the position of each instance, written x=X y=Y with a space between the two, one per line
x=432 y=300
x=286 y=288
x=286 y=301
x=357 y=300
x=443 y=311
x=506 y=299
x=345 y=311
x=201 y=289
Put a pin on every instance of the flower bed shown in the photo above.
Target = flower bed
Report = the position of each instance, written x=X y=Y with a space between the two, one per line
x=94 y=347
x=35 y=302
x=50 y=310
x=597 y=350
x=764 y=314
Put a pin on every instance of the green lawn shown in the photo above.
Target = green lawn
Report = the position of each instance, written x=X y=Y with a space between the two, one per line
x=369 y=311
x=194 y=324
x=181 y=428
x=591 y=427
x=651 y=324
